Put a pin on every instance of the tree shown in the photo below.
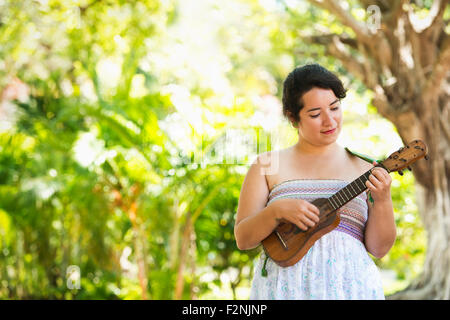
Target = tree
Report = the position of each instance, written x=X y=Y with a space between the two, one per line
x=405 y=62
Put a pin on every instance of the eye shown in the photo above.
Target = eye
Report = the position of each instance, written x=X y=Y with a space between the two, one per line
x=332 y=109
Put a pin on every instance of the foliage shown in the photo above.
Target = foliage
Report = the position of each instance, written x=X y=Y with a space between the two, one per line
x=116 y=156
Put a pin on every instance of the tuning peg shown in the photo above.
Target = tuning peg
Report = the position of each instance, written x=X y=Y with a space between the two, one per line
x=400 y=172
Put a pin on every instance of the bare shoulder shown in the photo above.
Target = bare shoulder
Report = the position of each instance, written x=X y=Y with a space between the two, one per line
x=274 y=164
x=266 y=158
x=264 y=165
x=255 y=190
x=359 y=165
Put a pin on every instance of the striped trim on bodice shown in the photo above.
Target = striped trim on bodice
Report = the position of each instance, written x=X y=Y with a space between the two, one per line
x=353 y=214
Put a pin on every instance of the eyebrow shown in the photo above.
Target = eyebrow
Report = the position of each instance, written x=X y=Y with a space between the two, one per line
x=313 y=109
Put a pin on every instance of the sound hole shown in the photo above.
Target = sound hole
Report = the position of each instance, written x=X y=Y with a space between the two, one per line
x=286 y=228
x=298 y=230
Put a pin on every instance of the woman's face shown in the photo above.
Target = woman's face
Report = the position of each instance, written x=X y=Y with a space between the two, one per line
x=320 y=118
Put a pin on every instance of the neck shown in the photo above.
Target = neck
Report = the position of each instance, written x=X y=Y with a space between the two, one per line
x=306 y=148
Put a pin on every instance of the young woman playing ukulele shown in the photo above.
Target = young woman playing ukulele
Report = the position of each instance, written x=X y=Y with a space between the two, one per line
x=337 y=266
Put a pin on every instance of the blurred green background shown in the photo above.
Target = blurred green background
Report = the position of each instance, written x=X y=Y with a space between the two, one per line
x=126 y=129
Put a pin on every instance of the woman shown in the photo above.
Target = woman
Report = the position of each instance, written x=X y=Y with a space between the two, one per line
x=337 y=266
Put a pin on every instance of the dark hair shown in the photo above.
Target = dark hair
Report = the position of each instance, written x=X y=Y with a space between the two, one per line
x=301 y=80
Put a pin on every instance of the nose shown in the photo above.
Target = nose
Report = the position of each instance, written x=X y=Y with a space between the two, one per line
x=328 y=120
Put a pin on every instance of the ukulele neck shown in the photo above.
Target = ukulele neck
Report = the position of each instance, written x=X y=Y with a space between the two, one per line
x=351 y=191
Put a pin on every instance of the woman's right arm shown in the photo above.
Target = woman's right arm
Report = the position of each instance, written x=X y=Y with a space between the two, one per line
x=255 y=221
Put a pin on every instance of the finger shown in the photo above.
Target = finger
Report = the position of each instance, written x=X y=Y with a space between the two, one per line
x=313 y=208
x=383 y=177
x=313 y=216
x=308 y=222
x=370 y=186
x=301 y=225
x=374 y=180
x=380 y=174
x=386 y=177
x=378 y=169
x=296 y=221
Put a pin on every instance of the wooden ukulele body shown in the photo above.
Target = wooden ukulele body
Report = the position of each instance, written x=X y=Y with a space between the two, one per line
x=287 y=244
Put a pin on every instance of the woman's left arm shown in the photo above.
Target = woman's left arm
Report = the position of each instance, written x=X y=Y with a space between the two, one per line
x=380 y=232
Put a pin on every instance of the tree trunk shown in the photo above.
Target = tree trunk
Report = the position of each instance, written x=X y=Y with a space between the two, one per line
x=139 y=240
x=433 y=198
x=434 y=282
x=188 y=241
x=179 y=285
x=406 y=64
x=193 y=265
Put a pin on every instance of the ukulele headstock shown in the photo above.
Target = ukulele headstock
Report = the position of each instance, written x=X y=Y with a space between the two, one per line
x=405 y=156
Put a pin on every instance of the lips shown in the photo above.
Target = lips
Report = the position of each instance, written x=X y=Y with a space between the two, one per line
x=329 y=131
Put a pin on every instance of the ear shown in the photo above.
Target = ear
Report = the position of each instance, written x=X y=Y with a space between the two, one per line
x=292 y=120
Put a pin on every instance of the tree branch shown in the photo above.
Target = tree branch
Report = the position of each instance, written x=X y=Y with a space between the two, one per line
x=367 y=3
x=335 y=47
x=416 y=53
x=445 y=127
x=440 y=70
x=326 y=39
x=396 y=11
x=377 y=45
x=370 y=75
x=361 y=31
x=382 y=104
x=433 y=19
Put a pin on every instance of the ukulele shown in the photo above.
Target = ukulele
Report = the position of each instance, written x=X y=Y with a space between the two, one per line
x=287 y=244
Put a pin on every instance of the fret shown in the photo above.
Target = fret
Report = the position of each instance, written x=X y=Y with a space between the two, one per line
x=330 y=202
x=336 y=202
x=363 y=180
x=351 y=186
x=363 y=185
x=342 y=198
x=360 y=188
x=336 y=199
x=333 y=201
x=366 y=177
x=363 y=188
x=345 y=189
x=350 y=191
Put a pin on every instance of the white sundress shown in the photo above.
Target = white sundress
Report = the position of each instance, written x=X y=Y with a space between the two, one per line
x=336 y=267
